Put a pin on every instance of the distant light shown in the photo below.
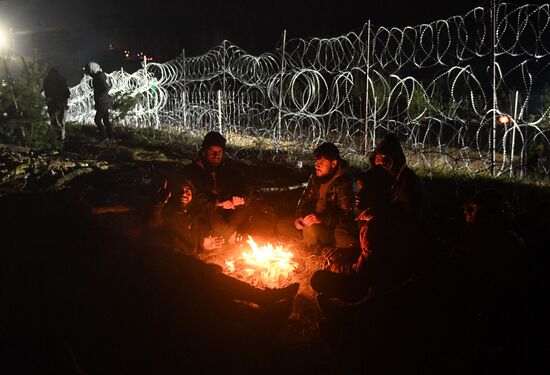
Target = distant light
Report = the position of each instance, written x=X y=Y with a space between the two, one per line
x=503 y=119
x=5 y=39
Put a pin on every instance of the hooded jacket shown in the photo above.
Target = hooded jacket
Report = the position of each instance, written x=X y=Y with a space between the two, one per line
x=388 y=249
x=55 y=88
x=101 y=86
x=339 y=198
x=407 y=188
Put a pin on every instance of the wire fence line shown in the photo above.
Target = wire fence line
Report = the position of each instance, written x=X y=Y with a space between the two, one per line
x=431 y=84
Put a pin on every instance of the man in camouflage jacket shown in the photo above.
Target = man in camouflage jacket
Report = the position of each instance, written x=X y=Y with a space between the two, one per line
x=324 y=213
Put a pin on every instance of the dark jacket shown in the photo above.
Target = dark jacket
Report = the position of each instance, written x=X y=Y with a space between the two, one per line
x=55 y=88
x=176 y=228
x=101 y=87
x=407 y=189
x=387 y=250
x=211 y=188
x=408 y=192
x=486 y=258
x=339 y=198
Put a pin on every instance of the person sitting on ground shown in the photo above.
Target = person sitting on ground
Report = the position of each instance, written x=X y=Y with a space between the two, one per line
x=487 y=249
x=179 y=227
x=407 y=188
x=102 y=99
x=324 y=212
x=223 y=193
x=178 y=222
x=57 y=94
x=386 y=247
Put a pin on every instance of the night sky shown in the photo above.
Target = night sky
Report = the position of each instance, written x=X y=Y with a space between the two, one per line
x=68 y=33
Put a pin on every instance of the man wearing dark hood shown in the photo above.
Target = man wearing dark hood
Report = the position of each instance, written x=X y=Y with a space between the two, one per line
x=102 y=99
x=222 y=191
x=488 y=248
x=57 y=93
x=324 y=213
x=407 y=188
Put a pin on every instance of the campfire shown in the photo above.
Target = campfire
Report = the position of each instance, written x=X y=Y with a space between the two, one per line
x=262 y=266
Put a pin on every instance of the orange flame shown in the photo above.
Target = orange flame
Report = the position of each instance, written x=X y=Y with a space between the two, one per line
x=265 y=265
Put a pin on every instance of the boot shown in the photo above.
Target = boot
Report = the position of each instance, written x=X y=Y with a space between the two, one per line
x=332 y=310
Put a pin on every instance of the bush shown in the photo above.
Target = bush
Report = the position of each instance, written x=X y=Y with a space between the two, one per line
x=24 y=120
x=123 y=104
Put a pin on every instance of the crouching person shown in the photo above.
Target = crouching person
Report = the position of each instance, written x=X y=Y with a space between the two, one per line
x=386 y=247
x=324 y=213
x=222 y=191
x=350 y=294
x=407 y=188
x=177 y=222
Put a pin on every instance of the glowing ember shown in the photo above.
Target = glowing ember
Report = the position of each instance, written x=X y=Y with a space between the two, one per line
x=267 y=265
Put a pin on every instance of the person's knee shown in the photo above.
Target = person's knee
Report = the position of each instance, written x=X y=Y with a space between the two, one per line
x=311 y=235
x=316 y=280
x=345 y=237
x=286 y=229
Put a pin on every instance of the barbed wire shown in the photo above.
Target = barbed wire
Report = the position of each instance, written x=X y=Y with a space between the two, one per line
x=430 y=84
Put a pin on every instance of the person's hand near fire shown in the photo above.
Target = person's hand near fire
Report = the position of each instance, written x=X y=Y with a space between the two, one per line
x=212 y=242
x=232 y=203
x=306 y=221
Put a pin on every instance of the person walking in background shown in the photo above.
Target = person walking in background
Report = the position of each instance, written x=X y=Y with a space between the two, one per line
x=102 y=99
x=57 y=94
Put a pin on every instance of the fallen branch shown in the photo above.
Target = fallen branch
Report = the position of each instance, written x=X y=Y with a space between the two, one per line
x=283 y=188
x=70 y=176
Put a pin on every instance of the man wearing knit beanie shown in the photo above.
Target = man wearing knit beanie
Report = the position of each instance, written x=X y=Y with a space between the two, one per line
x=324 y=213
x=222 y=192
x=213 y=139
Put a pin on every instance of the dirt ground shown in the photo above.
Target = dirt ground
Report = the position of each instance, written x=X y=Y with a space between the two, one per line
x=81 y=294
x=70 y=302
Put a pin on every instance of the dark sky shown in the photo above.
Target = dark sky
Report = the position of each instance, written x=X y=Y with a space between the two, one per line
x=67 y=33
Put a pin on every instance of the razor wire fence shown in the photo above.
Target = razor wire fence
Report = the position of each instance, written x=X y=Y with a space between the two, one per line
x=431 y=84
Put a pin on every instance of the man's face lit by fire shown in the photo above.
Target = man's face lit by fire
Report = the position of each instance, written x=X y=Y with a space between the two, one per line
x=383 y=161
x=325 y=167
x=185 y=195
x=214 y=155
